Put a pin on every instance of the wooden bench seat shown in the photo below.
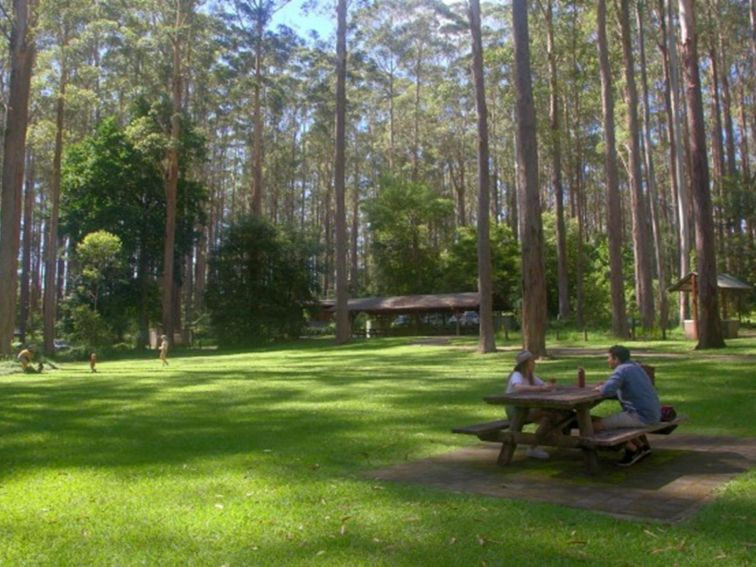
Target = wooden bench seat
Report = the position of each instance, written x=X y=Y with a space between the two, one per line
x=617 y=437
x=484 y=431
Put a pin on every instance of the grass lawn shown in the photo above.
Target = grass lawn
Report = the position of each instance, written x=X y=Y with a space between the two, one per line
x=259 y=458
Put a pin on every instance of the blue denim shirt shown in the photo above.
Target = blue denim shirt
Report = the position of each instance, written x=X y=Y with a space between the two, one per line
x=634 y=391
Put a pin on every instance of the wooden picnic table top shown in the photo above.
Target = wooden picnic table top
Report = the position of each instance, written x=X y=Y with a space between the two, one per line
x=563 y=397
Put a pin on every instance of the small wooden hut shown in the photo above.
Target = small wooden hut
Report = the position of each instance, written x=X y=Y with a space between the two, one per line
x=727 y=285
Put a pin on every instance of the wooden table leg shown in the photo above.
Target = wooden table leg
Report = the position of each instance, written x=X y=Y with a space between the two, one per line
x=515 y=426
x=586 y=430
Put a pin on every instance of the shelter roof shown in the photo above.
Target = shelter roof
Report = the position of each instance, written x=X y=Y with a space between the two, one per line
x=724 y=281
x=468 y=301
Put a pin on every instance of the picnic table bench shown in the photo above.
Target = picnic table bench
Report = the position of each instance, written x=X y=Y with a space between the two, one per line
x=574 y=432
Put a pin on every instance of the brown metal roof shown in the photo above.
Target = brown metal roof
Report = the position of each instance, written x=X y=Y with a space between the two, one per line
x=413 y=303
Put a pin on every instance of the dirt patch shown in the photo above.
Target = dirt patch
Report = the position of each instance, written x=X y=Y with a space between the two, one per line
x=431 y=341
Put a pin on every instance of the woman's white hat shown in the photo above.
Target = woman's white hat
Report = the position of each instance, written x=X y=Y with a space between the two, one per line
x=523 y=356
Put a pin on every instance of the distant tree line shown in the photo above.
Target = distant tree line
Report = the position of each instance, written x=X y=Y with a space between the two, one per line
x=574 y=157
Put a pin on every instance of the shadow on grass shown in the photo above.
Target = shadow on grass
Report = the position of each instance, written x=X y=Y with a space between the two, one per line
x=352 y=406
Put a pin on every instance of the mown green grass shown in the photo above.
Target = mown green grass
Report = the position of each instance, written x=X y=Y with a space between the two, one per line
x=674 y=343
x=261 y=458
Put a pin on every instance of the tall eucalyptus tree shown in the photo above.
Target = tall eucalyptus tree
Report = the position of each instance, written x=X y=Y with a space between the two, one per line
x=384 y=49
x=65 y=21
x=614 y=218
x=22 y=50
x=639 y=203
x=343 y=326
x=486 y=338
x=709 y=325
x=26 y=253
x=556 y=161
x=180 y=12
x=650 y=172
x=531 y=227
x=673 y=106
x=248 y=21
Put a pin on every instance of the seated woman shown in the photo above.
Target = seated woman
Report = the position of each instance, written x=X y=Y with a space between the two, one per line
x=523 y=379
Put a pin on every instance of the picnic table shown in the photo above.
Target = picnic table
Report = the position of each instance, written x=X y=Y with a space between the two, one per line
x=574 y=398
x=580 y=400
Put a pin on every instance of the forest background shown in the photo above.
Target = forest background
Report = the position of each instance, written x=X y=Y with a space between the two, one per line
x=180 y=164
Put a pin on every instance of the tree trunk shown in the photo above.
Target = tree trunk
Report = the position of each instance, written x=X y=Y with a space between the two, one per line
x=752 y=60
x=21 y=63
x=187 y=287
x=744 y=158
x=416 y=117
x=495 y=196
x=733 y=225
x=28 y=237
x=171 y=181
x=534 y=314
x=391 y=120
x=354 y=233
x=678 y=147
x=717 y=151
x=663 y=304
x=36 y=268
x=63 y=273
x=343 y=326
x=257 y=150
x=486 y=338
x=752 y=20
x=143 y=321
x=639 y=205
x=513 y=194
x=709 y=327
x=327 y=223
x=729 y=131
x=614 y=218
x=461 y=191
x=556 y=167
x=200 y=269
x=576 y=190
x=671 y=137
x=177 y=315
x=49 y=303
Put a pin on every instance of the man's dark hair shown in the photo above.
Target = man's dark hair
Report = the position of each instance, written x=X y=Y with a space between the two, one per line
x=620 y=353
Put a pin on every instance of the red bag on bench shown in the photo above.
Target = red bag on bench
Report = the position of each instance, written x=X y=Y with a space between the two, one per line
x=668 y=413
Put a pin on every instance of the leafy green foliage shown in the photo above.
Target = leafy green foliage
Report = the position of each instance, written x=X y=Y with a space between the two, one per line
x=89 y=328
x=402 y=219
x=596 y=276
x=737 y=202
x=109 y=184
x=98 y=256
x=113 y=180
x=460 y=263
x=260 y=281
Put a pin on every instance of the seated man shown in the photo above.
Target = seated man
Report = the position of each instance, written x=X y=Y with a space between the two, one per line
x=25 y=357
x=637 y=396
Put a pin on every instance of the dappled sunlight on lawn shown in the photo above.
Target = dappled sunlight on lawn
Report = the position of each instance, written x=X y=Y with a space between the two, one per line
x=257 y=457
